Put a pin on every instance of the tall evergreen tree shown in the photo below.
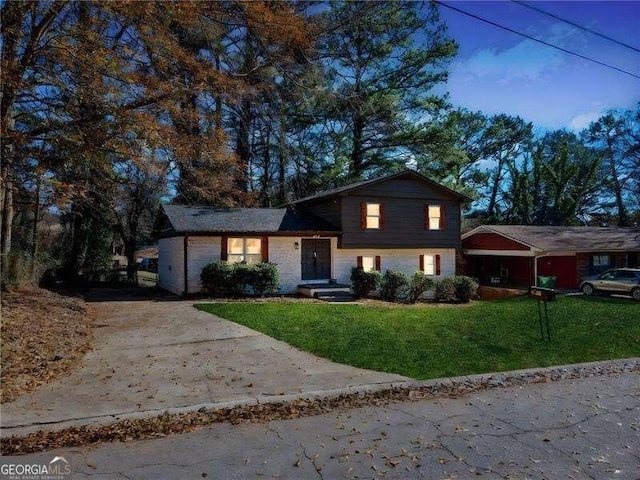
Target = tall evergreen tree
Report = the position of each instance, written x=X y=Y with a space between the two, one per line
x=383 y=60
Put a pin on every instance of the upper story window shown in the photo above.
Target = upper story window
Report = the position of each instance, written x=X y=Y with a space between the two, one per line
x=244 y=249
x=372 y=215
x=434 y=218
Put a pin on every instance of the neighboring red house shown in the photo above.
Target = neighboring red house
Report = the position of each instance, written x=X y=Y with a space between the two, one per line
x=516 y=254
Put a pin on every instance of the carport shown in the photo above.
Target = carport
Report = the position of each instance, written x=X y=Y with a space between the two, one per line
x=515 y=255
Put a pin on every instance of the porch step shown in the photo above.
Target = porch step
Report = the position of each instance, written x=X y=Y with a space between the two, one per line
x=336 y=297
x=315 y=290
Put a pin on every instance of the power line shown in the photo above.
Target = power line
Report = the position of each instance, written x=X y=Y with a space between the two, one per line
x=536 y=39
x=573 y=24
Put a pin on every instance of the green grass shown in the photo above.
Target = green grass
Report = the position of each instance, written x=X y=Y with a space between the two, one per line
x=439 y=341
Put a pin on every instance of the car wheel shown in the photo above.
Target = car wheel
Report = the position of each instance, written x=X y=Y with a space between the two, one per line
x=588 y=289
x=635 y=293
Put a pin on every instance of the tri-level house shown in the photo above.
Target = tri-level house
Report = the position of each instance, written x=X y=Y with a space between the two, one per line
x=403 y=222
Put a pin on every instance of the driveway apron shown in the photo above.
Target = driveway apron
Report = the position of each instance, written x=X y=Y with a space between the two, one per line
x=152 y=356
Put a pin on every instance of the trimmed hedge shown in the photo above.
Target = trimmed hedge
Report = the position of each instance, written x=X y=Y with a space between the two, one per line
x=222 y=278
x=455 y=289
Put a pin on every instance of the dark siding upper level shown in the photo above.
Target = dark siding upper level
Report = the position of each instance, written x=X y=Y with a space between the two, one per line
x=403 y=225
x=404 y=199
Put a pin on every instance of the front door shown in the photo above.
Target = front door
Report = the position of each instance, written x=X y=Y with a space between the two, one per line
x=316 y=259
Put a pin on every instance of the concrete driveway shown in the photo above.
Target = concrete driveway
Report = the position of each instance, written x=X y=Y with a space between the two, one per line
x=151 y=356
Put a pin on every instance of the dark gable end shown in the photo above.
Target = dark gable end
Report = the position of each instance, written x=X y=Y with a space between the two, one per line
x=162 y=226
x=372 y=186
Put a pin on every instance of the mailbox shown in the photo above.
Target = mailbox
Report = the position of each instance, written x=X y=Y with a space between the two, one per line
x=542 y=294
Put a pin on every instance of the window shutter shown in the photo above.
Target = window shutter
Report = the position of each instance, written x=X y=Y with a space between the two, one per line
x=224 y=243
x=378 y=261
x=425 y=212
x=359 y=261
x=421 y=262
x=443 y=219
x=363 y=214
x=438 y=265
x=383 y=218
x=264 y=248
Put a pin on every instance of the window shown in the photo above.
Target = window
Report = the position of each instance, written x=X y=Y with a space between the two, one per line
x=434 y=218
x=244 y=250
x=369 y=263
x=600 y=260
x=430 y=264
x=372 y=215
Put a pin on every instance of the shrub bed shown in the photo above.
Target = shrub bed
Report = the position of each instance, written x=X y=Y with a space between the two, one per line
x=220 y=279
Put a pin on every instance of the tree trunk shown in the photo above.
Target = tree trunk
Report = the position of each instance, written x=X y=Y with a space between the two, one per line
x=493 y=198
x=623 y=217
x=34 y=231
x=130 y=253
x=242 y=146
x=357 y=154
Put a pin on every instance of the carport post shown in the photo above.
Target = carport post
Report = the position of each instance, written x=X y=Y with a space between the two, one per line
x=535 y=267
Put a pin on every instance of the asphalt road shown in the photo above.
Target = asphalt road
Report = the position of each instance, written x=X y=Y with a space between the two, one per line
x=586 y=428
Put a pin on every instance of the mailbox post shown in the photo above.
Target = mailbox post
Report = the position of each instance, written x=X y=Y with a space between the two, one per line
x=543 y=295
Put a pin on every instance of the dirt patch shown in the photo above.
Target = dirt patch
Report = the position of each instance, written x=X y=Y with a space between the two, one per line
x=44 y=335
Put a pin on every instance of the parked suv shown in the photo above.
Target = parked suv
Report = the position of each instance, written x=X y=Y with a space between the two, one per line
x=617 y=280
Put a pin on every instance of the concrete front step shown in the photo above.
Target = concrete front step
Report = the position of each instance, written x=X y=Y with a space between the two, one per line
x=314 y=291
x=336 y=297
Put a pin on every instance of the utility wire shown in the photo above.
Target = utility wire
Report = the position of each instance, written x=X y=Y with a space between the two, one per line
x=573 y=24
x=536 y=39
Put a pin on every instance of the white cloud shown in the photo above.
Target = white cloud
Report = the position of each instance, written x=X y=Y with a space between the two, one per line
x=527 y=60
x=583 y=120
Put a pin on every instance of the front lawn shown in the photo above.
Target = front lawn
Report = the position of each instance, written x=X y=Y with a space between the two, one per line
x=438 y=341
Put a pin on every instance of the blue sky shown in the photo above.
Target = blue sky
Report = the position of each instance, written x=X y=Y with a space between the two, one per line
x=499 y=72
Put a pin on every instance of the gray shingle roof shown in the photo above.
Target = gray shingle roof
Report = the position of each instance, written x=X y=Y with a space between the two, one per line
x=203 y=219
x=579 y=239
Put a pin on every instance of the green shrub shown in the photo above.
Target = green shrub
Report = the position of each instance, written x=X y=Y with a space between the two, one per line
x=264 y=278
x=393 y=285
x=240 y=279
x=363 y=283
x=215 y=278
x=455 y=289
x=236 y=279
x=445 y=290
x=466 y=288
x=419 y=284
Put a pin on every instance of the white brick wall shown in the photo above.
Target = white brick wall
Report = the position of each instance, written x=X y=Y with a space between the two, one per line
x=282 y=252
x=404 y=260
x=202 y=251
x=171 y=264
